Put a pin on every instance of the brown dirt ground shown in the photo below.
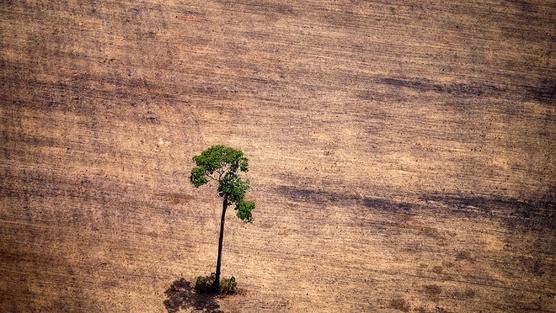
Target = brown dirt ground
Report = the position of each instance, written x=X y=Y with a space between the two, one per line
x=402 y=154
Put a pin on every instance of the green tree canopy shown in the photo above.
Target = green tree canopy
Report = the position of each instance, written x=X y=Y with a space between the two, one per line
x=222 y=164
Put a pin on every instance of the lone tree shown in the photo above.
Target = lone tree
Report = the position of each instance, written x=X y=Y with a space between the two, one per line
x=221 y=164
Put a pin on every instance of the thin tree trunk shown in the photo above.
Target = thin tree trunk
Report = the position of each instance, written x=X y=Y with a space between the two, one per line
x=220 y=242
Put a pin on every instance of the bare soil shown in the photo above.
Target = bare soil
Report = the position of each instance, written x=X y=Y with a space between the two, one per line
x=402 y=154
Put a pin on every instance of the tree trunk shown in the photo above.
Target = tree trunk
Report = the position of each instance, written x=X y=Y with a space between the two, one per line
x=220 y=242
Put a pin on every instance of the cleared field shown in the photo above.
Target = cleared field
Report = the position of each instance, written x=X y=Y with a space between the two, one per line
x=402 y=154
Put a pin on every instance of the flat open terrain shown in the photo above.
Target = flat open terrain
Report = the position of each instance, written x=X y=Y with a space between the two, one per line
x=402 y=154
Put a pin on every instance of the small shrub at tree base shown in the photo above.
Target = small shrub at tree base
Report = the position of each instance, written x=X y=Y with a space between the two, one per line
x=205 y=284
x=228 y=286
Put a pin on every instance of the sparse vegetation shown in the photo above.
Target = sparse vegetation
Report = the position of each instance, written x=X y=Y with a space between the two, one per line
x=206 y=285
x=228 y=286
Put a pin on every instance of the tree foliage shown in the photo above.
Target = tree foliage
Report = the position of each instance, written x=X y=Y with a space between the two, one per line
x=222 y=164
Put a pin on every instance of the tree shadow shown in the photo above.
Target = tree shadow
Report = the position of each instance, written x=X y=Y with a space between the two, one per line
x=181 y=295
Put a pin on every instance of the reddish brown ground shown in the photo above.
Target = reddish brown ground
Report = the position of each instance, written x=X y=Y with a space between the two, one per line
x=402 y=154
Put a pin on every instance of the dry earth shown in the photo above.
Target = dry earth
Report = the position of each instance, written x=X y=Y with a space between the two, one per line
x=402 y=154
